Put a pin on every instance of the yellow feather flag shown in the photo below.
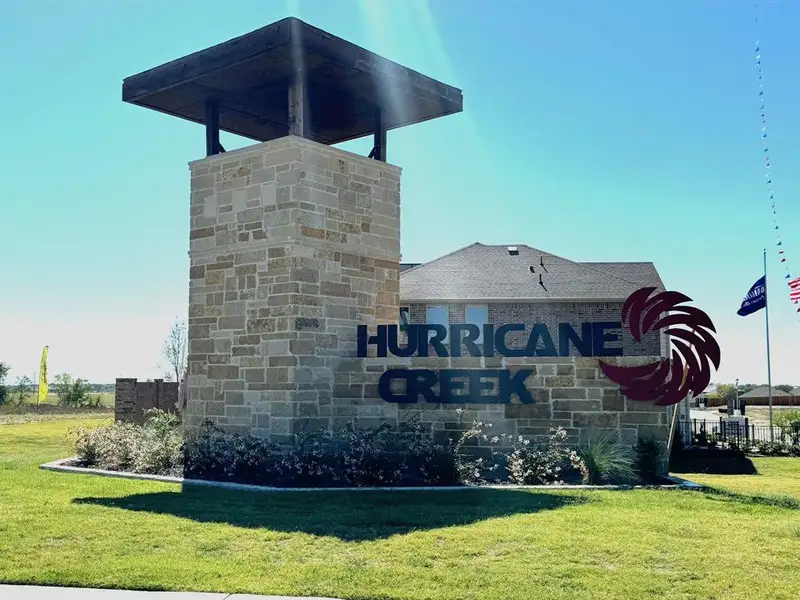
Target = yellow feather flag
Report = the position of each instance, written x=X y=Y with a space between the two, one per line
x=43 y=377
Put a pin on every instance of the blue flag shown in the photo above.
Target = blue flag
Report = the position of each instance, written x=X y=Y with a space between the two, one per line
x=756 y=298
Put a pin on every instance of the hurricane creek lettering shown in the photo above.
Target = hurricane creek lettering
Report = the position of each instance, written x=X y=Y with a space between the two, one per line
x=593 y=340
x=480 y=386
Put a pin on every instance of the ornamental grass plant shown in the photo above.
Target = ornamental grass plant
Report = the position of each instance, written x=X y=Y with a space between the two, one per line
x=607 y=460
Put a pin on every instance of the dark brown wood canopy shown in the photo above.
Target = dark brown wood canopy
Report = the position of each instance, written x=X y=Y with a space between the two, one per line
x=292 y=78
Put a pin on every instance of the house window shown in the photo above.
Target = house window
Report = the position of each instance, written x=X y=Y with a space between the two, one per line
x=405 y=318
x=477 y=314
x=438 y=315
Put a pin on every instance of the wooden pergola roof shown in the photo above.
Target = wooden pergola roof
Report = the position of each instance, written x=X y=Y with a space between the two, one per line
x=260 y=85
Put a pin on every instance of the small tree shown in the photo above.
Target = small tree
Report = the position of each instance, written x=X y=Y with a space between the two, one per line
x=175 y=348
x=726 y=391
x=72 y=392
x=22 y=391
x=4 y=369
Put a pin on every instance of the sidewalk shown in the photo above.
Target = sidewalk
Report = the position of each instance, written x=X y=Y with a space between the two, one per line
x=32 y=592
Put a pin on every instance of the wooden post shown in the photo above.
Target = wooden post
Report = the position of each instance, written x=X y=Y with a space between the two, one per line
x=212 y=128
x=297 y=105
x=380 y=136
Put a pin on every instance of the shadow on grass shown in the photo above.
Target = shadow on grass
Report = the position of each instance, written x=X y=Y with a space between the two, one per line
x=711 y=461
x=349 y=516
x=777 y=500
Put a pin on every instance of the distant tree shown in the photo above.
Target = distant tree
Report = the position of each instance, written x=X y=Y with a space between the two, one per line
x=4 y=369
x=73 y=392
x=22 y=391
x=726 y=391
x=175 y=349
x=784 y=387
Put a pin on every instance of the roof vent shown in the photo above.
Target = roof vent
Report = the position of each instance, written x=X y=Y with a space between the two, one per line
x=513 y=251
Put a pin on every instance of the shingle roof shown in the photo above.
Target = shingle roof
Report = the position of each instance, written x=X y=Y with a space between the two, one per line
x=762 y=391
x=795 y=391
x=710 y=390
x=482 y=272
x=407 y=266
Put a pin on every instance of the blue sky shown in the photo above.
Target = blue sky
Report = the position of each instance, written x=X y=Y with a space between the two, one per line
x=595 y=131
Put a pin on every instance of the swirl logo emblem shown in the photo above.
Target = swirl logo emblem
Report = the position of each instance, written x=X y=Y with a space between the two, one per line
x=694 y=348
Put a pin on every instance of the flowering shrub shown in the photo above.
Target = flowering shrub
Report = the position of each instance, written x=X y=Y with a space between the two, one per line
x=221 y=456
x=154 y=447
x=386 y=455
x=547 y=462
x=403 y=454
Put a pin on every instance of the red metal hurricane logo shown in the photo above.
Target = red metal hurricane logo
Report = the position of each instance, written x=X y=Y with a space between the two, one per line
x=668 y=380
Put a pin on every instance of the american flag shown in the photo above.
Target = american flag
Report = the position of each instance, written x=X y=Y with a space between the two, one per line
x=794 y=290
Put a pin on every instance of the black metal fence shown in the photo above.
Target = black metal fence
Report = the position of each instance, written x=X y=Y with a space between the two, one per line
x=740 y=432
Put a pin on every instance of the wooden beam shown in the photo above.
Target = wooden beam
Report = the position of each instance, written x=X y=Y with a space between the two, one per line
x=212 y=128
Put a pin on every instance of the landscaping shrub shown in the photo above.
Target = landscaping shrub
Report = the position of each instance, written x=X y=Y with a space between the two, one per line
x=402 y=454
x=648 y=459
x=533 y=462
x=221 y=456
x=606 y=460
x=772 y=448
x=789 y=422
x=386 y=455
x=154 y=447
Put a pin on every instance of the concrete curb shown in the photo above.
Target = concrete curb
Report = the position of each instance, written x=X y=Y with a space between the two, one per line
x=64 y=466
x=685 y=483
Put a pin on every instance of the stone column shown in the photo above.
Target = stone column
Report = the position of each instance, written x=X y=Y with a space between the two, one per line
x=292 y=245
x=125 y=399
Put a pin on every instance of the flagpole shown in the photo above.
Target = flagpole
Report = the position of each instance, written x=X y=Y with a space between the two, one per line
x=769 y=366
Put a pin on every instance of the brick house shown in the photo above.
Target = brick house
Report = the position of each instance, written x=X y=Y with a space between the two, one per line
x=491 y=284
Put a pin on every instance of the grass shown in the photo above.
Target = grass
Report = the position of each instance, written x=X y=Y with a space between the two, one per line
x=79 y=530
x=50 y=410
x=777 y=478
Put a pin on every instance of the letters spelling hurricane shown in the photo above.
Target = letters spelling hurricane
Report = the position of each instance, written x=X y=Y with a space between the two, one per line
x=420 y=382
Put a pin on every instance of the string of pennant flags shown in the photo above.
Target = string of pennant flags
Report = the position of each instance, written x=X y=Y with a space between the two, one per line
x=794 y=284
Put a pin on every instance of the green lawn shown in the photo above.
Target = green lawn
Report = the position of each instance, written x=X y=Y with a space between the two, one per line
x=77 y=530
x=777 y=477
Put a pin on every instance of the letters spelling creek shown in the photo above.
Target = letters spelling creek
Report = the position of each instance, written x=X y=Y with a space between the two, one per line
x=420 y=382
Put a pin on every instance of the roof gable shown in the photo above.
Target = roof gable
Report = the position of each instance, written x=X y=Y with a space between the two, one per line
x=482 y=272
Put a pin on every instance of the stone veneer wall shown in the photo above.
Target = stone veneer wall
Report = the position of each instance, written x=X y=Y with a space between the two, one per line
x=132 y=398
x=292 y=244
x=569 y=392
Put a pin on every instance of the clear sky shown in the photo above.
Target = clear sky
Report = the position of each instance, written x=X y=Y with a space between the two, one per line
x=596 y=131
